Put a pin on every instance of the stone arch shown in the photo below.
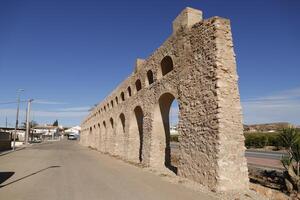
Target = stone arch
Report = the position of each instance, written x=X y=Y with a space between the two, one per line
x=112 y=103
x=94 y=137
x=136 y=135
x=90 y=136
x=160 y=148
x=166 y=65
x=129 y=91
x=104 y=131
x=117 y=100
x=98 y=139
x=122 y=96
x=111 y=120
x=138 y=85
x=120 y=135
x=111 y=136
x=122 y=120
x=150 y=77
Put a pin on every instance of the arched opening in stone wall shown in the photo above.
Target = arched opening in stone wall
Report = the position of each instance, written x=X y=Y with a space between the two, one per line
x=166 y=65
x=164 y=128
x=111 y=136
x=150 y=77
x=94 y=137
x=139 y=115
x=129 y=91
x=138 y=85
x=120 y=135
x=104 y=142
x=117 y=100
x=98 y=140
x=112 y=103
x=111 y=122
x=122 y=120
x=173 y=128
x=90 y=136
x=136 y=131
x=122 y=96
x=105 y=108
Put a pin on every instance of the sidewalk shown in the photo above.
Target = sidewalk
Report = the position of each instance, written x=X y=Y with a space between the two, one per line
x=18 y=148
x=21 y=145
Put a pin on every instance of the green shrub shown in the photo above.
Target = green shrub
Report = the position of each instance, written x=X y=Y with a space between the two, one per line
x=290 y=138
x=260 y=139
x=174 y=138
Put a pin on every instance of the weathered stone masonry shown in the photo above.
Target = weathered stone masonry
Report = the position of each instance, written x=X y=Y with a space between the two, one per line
x=195 y=65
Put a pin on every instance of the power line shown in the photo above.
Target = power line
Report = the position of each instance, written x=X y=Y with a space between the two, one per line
x=11 y=102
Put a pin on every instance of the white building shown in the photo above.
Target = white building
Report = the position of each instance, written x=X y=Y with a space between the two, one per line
x=75 y=130
x=46 y=131
x=173 y=130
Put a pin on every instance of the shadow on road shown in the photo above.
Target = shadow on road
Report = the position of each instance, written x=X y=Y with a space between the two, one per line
x=7 y=175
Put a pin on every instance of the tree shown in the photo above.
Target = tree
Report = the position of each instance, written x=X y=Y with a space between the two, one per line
x=55 y=123
x=289 y=137
x=31 y=124
x=23 y=125
x=291 y=140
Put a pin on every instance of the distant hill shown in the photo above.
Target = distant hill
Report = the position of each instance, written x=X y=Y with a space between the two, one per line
x=269 y=127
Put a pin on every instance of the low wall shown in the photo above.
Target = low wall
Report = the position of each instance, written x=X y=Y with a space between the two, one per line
x=5 y=141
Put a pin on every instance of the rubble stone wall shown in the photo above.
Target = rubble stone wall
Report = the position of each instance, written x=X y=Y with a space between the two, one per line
x=196 y=66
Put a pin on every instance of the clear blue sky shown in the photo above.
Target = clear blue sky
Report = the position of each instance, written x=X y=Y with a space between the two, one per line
x=70 y=54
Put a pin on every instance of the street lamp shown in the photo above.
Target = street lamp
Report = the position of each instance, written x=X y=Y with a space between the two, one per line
x=17 y=118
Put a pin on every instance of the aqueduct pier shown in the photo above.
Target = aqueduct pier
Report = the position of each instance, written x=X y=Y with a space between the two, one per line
x=196 y=66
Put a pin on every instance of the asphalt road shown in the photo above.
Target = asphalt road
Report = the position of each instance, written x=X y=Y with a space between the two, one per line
x=251 y=153
x=66 y=171
x=265 y=154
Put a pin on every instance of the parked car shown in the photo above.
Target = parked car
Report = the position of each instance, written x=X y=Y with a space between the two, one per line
x=36 y=140
x=72 y=137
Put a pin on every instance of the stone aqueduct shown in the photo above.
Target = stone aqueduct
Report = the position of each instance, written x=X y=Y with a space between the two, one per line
x=196 y=66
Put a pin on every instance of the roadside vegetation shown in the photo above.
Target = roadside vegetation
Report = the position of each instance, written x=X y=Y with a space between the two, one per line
x=287 y=139
x=261 y=139
x=174 y=138
x=291 y=141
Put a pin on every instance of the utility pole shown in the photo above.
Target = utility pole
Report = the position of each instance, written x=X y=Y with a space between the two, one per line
x=25 y=124
x=17 y=118
x=27 y=121
x=6 y=122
